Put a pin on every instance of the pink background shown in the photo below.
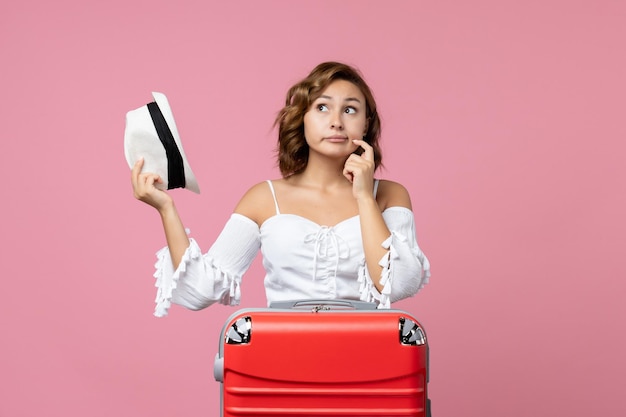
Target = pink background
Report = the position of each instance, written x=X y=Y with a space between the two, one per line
x=504 y=119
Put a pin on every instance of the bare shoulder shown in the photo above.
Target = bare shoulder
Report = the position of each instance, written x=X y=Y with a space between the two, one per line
x=392 y=194
x=257 y=203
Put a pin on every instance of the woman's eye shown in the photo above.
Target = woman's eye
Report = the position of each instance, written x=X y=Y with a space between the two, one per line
x=350 y=110
x=322 y=107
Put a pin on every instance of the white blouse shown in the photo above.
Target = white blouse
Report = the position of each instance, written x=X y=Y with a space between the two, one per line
x=302 y=260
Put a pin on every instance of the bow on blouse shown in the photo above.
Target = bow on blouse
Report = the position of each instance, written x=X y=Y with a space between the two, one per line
x=327 y=243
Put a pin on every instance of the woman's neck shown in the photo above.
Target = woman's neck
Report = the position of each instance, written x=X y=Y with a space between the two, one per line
x=322 y=173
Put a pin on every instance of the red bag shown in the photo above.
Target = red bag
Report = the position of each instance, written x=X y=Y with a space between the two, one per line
x=323 y=358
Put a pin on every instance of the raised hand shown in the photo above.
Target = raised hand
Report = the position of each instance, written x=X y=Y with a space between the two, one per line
x=359 y=169
x=144 y=187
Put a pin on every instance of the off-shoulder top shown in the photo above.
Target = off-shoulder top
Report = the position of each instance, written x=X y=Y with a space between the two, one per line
x=302 y=260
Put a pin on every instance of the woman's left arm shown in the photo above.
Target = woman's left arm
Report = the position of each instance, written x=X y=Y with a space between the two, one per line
x=374 y=231
x=389 y=243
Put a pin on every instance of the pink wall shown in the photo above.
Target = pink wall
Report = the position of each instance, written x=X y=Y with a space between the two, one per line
x=504 y=119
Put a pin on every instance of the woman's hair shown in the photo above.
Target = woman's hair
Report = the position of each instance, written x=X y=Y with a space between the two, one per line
x=292 y=149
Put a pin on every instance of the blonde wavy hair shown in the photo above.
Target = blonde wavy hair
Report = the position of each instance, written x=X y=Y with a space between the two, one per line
x=292 y=150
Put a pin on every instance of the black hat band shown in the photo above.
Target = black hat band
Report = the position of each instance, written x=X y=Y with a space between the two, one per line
x=175 y=167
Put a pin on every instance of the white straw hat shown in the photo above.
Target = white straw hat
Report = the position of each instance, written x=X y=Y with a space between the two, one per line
x=151 y=133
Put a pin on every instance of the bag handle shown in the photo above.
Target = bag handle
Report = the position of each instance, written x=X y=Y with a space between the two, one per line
x=318 y=305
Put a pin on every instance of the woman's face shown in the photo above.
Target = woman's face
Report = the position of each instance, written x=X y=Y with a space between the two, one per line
x=335 y=118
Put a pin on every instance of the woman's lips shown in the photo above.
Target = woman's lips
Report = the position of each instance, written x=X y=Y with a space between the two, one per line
x=336 y=138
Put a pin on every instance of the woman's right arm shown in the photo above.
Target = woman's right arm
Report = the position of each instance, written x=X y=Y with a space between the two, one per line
x=186 y=276
x=144 y=190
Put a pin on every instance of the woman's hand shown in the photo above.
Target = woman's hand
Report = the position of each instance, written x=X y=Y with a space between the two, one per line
x=145 y=190
x=359 y=169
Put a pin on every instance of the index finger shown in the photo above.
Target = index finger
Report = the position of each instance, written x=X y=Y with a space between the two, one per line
x=368 y=150
x=137 y=168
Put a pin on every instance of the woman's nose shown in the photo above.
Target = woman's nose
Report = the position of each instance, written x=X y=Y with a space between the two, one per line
x=336 y=121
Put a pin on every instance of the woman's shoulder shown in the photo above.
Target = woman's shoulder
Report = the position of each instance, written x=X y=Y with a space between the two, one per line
x=392 y=194
x=257 y=202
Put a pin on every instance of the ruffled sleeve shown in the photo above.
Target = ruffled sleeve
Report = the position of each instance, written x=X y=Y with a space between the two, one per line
x=201 y=280
x=405 y=267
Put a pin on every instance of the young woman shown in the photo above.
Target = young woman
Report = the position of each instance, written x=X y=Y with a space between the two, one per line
x=327 y=229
